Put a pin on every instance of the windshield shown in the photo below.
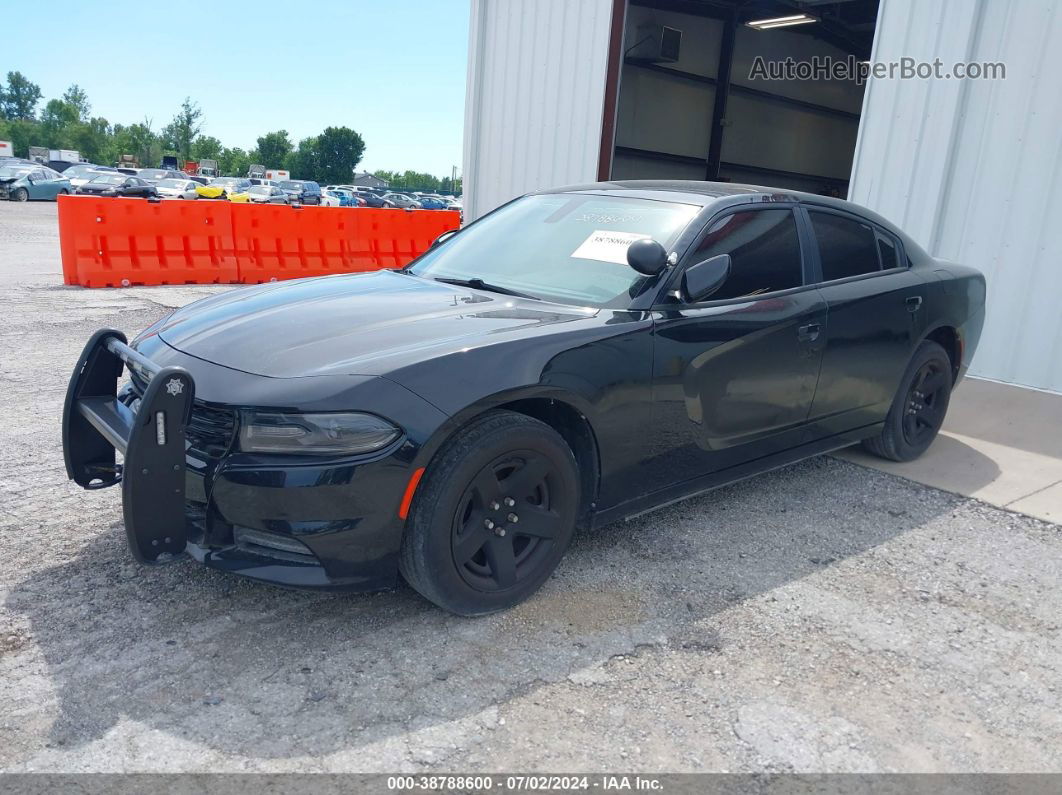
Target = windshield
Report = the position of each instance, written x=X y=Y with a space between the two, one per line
x=152 y=173
x=291 y=185
x=565 y=247
x=225 y=181
x=173 y=183
x=109 y=179
x=264 y=189
x=84 y=171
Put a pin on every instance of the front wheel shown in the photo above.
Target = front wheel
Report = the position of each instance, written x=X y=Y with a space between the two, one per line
x=20 y=195
x=493 y=515
x=918 y=410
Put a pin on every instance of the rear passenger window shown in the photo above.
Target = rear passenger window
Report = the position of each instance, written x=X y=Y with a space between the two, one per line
x=887 y=250
x=846 y=246
x=764 y=249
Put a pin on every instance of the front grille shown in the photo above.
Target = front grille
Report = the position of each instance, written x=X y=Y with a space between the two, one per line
x=210 y=430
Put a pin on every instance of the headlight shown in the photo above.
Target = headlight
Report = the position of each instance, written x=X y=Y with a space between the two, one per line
x=314 y=434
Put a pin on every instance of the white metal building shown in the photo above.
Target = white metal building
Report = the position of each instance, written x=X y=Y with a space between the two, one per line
x=560 y=92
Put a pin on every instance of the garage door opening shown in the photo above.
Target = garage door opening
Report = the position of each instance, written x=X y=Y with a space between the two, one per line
x=695 y=96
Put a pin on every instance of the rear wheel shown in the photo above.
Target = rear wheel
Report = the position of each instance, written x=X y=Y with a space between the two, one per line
x=919 y=408
x=493 y=516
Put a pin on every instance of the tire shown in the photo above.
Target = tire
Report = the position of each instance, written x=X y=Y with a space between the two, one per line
x=919 y=408
x=462 y=548
x=20 y=195
x=63 y=192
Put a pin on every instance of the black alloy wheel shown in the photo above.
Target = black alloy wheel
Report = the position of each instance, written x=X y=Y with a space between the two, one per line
x=924 y=412
x=492 y=516
x=504 y=525
x=919 y=407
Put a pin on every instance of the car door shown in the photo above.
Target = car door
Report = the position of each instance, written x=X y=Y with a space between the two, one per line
x=734 y=376
x=875 y=305
x=38 y=185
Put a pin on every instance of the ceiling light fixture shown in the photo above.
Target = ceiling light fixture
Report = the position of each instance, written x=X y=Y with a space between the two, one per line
x=781 y=22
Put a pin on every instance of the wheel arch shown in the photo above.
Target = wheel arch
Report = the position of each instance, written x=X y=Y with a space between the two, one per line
x=947 y=337
x=566 y=413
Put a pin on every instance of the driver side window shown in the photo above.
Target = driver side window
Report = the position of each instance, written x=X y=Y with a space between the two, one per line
x=764 y=249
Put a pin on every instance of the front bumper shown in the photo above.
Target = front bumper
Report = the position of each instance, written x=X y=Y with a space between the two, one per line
x=310 y=523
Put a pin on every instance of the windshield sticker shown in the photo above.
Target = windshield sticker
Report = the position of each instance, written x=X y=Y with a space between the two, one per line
x=606 y=246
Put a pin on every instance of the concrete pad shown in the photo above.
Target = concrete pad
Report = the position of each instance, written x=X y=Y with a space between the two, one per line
x=1046 y=504
x=1000 y=443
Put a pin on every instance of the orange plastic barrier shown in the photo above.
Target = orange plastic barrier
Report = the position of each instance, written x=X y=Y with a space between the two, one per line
x=122 y=242
x=275 y=242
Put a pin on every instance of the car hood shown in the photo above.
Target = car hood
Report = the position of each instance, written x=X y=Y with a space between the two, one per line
x=352 y=324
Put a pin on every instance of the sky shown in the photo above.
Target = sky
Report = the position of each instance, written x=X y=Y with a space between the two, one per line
x=393 y=70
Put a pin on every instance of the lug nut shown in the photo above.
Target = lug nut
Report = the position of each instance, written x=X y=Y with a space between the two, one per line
x=500 y=532
x=487 y=523
x=514 y=518
x=509 y=502
x=494 y=506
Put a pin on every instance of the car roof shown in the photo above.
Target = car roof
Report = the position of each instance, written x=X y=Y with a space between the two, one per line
x=705 y=194
x=708 y=193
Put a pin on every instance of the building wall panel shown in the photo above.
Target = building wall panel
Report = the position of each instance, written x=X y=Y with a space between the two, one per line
x=533 y=107
x=973 y=168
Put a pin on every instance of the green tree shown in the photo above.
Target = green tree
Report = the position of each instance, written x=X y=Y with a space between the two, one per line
x=274 y=148
x=179 y=133
x=76 y=98
x=304 y=162
x=21 y=133
x=339 y=151
x=18 y=100
x=234 y=162
x=138 y=140
x=206 y=146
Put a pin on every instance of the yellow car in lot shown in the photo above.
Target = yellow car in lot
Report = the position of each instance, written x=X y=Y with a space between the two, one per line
x=240 y=197
x=210 y=192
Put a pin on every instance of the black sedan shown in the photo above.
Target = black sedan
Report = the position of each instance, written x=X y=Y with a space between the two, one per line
x=576 y=357
x=117 y=185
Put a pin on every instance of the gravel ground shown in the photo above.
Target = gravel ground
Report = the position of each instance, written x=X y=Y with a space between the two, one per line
x=824 y=617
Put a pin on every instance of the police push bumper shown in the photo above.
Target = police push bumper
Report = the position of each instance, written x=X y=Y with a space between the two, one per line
x=149 y=433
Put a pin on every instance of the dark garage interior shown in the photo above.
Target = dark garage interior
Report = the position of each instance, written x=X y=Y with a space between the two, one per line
x=689 y=108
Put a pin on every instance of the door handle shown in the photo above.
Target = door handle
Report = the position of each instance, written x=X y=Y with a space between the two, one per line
x=913 y=303
x=809 y=332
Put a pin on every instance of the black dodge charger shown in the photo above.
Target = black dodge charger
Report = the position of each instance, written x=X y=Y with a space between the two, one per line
x=575 y=357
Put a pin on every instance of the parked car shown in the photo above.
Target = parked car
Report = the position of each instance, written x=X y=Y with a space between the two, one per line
x=231 y=184
x=80 y=173
x=20 y=182
x=211 y=192
x=432 y=203
x=370 y=198
x=402 y=200
x=711 y=332
x=303 y=191
x=156 y=175
x=266 y=194
x=346 y=197
x=119 y=185
x=198 y=179
x=177 y=188
x=132 y=172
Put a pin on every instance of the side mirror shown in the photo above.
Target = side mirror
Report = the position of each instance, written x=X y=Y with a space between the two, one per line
x=443 y=237
x=647 y=257
x=701 y=280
